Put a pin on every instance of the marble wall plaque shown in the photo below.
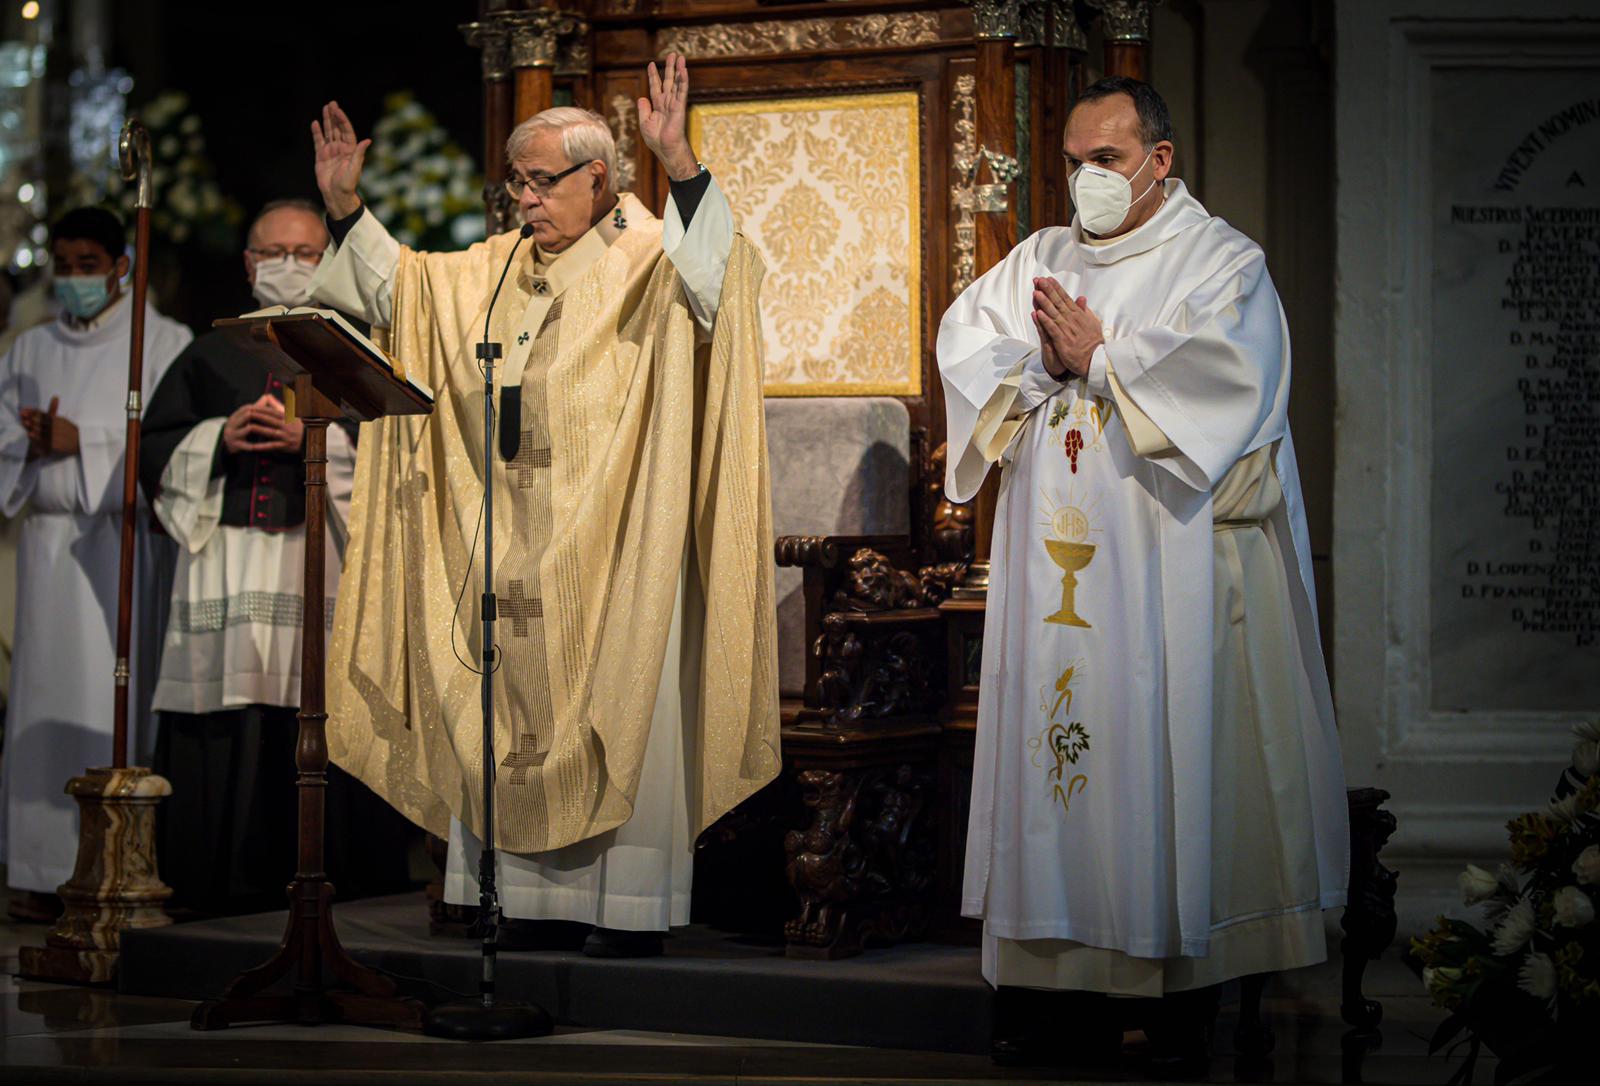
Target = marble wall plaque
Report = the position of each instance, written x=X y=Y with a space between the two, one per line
x=1515 y=379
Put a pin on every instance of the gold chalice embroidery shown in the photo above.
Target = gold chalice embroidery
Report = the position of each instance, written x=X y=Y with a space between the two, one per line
x=1069 y=527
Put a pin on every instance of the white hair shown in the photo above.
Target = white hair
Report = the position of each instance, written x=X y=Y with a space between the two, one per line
x=584 y=136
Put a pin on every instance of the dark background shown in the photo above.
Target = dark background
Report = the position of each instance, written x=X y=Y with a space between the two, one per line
x=258 y=74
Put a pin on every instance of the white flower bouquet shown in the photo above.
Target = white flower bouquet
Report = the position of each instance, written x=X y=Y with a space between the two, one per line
x=189 y=205
x=1527 y=984
x=419 y=183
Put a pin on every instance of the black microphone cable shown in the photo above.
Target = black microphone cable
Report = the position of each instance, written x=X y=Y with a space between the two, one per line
x=486 y=351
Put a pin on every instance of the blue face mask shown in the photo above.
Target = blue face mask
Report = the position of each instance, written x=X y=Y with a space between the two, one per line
x=82 y=295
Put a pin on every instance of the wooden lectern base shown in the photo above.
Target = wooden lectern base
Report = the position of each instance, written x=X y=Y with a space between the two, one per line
x=311 y=949
x=325 y=984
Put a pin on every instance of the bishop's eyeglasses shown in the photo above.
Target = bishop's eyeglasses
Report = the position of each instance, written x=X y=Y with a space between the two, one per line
x=541 y=184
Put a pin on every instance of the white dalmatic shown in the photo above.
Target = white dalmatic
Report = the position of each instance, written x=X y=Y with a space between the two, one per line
x=1121 y=734
x=59 y=717
x=637 y=877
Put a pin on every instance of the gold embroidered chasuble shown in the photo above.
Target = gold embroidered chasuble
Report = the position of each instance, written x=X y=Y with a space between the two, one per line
x=631 y=434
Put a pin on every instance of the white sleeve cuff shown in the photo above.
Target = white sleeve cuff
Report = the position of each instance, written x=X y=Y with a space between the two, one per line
x=190 y=503
x=1099 y=370
x=1034 y=383
x=357 y=277
x=700 y=251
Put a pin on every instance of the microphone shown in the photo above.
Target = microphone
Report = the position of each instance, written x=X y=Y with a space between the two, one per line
x=510 y=398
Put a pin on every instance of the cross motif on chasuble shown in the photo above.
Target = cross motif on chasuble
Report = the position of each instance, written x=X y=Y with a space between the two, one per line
x=528 y=459
x=520 y=608
x=526 y=757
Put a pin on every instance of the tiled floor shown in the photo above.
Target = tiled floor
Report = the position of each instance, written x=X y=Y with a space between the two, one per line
x=52 y=1033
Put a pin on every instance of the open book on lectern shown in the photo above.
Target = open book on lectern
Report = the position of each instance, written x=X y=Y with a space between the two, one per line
x=349 y=330
x=347 y=366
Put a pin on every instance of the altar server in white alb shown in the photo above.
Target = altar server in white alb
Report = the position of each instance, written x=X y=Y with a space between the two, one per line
x=1157 y=800
x=63 y=426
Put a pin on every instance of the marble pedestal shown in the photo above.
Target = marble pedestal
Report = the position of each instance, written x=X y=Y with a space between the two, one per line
x=114 y=885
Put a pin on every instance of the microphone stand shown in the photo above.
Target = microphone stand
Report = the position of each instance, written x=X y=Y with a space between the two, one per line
x=485 y=1018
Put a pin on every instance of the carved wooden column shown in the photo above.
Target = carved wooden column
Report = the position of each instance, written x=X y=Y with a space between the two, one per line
x=1064 y=71
x=533 y=63
x=993 y=209
x=997 y=24
x=537 y=38
x=490 y=36
x=1126 y=26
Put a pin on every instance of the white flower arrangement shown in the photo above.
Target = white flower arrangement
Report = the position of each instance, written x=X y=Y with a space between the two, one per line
x=1515 y=928
x=419 y=183
x=1537 y=976
x=1586 y=867
x=1526 y=982
x=1476 y=884
x=1573 y=907
x=189 y=206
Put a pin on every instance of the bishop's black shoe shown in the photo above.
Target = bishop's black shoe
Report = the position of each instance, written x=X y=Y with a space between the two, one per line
x=613 y=943
x=515 y=934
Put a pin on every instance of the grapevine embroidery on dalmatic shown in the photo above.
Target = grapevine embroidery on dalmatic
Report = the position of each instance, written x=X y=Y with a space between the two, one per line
x=1083 y=414
x=1074 y=447
x=1062 y=742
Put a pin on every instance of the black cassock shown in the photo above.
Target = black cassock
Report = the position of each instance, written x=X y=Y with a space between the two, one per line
x=227 y=834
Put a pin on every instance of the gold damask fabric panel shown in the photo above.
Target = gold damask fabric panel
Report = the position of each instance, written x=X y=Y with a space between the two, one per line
x=652 y=442
x=829 y=190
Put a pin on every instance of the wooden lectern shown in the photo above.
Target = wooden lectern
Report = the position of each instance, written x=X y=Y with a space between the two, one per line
x=333 y=373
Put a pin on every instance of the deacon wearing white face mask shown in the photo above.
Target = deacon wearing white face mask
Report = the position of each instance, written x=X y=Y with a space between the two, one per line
x=1157 y=802
x=223 y=468
x=63 y=427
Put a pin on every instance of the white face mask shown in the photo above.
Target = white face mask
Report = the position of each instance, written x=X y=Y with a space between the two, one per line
x=1104 y=196
x=284 y=281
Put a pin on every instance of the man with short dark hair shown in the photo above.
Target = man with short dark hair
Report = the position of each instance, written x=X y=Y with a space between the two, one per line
x=1157 y=797
x=223 y=467
x=63 y=427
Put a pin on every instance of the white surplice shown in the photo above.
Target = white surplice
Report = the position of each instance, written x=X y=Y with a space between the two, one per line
x=234 y=632
x=637 y=877
x=59 y=715
x=1105 y=849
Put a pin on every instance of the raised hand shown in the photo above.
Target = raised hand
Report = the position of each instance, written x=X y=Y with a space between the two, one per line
x=664 y=118
x=340 y=157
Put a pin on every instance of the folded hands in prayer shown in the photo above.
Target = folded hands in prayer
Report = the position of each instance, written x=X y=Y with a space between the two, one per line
x=1068 y=330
